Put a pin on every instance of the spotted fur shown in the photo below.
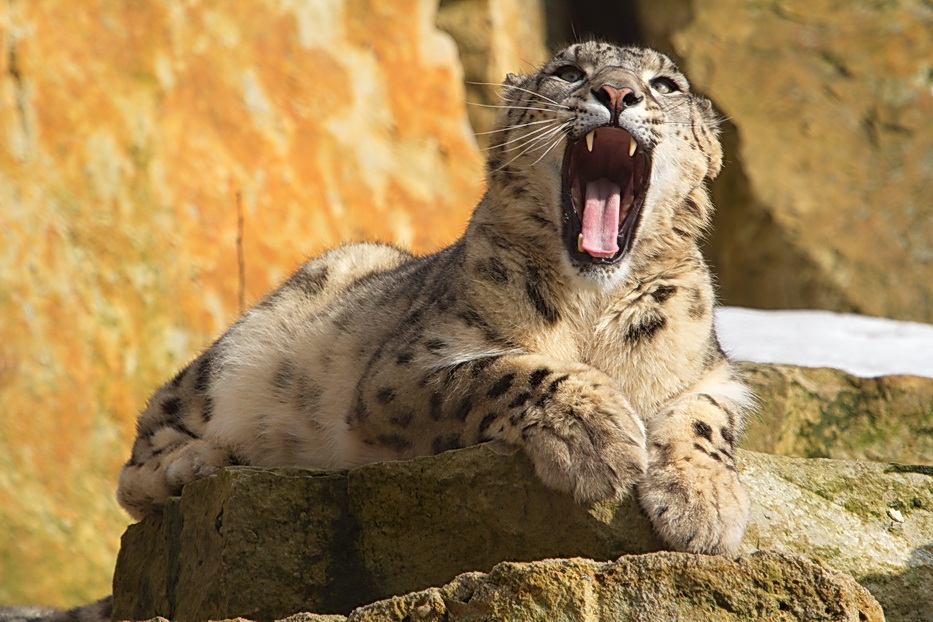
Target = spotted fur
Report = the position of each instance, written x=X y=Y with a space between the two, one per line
x=608 y=374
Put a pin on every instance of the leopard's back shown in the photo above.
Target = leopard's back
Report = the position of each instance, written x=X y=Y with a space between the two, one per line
x=261 y=388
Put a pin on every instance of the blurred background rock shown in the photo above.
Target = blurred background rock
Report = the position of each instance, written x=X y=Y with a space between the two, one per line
x=163 y=164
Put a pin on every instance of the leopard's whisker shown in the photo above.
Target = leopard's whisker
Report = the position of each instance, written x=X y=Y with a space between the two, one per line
x=538 y=139
x=549 y=149
x=516 y=127
x=524 y=90
x=512 y=107
x=528 y=136
x=529 y=148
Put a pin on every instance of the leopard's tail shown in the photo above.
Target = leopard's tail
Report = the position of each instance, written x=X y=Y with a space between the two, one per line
x=99 y=611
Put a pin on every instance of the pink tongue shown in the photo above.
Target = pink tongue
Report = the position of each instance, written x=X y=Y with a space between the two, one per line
x=601 y=218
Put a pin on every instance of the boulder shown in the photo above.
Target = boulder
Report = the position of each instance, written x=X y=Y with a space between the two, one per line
x=827 y=413
x=654 y=586
x=264 y=543
x=870 y=520
x=315 y=617
x=824 y=200
x=163 y=164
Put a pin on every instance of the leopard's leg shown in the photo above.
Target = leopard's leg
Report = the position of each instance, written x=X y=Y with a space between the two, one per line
x=692 y=493
x=570 y=419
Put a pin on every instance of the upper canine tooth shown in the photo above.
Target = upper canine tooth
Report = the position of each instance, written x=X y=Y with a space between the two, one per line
x=631 y=147
x=589 y=140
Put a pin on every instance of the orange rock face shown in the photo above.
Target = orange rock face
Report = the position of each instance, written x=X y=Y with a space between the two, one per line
x=159 y=163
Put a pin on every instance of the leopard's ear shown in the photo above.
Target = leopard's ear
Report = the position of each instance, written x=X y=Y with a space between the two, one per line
x=513 y=80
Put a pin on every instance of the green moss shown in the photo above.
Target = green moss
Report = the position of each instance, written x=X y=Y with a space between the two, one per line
x=825 y=413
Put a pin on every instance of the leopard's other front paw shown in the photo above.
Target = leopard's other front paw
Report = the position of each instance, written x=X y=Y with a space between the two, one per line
x=695 y=507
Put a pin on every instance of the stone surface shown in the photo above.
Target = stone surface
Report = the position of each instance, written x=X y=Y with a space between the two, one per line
x=841 y=512
x=827 y=413
x=410 y=525
x=251 y=543
x=824 y=201
x=469 y=510
x=315 y=617
x=133 y=137
x=655 y=586
x=25 y=613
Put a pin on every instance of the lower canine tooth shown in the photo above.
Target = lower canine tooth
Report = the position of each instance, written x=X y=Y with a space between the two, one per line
x=631 y=147
x=589 y=140
x=580 y=242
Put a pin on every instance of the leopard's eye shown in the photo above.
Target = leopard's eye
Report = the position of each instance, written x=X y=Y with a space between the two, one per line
x=664 y=85
x=569 y=73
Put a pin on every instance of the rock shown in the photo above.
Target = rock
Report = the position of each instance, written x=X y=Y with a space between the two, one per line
x=655 y=586
x=134 y=137
x=824 y=202
x=837 y=511
x=409 y=525
x=827 y=413
x=314 y=617
x=249 y=543
x=470 y=510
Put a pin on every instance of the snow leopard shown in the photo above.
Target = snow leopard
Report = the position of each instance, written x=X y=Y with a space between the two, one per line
x=572 y=319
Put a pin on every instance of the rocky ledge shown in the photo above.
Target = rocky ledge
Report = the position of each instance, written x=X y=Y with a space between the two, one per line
x=827 y=413
x=265 y=543
x=655 y=586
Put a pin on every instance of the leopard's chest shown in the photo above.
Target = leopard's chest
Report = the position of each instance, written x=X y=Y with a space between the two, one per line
x=655 y=341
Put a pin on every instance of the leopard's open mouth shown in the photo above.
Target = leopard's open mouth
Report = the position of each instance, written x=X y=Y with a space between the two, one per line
x=605 y=179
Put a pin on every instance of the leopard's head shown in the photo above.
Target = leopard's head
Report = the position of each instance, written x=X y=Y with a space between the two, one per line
x=623 y=143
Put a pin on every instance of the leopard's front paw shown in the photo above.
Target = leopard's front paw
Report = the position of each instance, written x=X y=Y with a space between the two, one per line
x=592 y=445
x=698 y=510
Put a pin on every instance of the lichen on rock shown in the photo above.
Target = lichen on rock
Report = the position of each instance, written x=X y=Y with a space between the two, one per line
x=654 y=586
x=827 y=413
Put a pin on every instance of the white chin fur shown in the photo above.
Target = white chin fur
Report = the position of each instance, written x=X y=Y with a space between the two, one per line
x=598 y=277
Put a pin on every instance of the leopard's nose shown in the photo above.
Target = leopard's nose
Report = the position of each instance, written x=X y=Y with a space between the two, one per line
x=617 y=99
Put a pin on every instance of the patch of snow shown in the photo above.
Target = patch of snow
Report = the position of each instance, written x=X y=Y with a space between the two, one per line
x=861 y=345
